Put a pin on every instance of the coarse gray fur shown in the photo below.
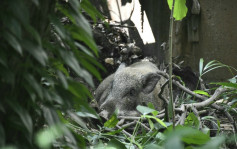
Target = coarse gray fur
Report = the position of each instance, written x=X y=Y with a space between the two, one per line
x=128 y=87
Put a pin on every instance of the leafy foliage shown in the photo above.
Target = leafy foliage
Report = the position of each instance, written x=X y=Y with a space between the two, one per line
x=38 y=55
x=180 y=8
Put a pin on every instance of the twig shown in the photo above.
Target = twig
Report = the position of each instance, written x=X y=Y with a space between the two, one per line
x=143 y=125
x=209 y=101
x=161 y=92
x=183 y=116
x=136 y=118
x=124 y=131
x=114 y=25
x=129 y=124
x=121 y=122
x=232 y=121
x=189 y=91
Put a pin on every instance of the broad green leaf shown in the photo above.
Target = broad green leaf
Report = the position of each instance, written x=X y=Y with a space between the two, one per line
x=187 y=135
x=86 y=111
x=174 y=143
x=196 y=137
x=112 y=122
x=214 y=143
x=144 y=110
x=180 y=9
x=201 y=92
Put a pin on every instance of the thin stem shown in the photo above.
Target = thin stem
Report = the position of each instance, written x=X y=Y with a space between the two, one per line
x=170 y=64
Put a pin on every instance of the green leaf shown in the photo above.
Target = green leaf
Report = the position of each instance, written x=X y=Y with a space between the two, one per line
x=36 y=51
x=115 y=131
x=72 y=62
x=34 y=84
x=180 y=9
x=13 y=42
x=196 y=137
x=226 y=84
x=160 y=136
x=78 y=120
x=63 y=79
x=192 y=120
x=214 y=143
x=187 y=134
x=150 y=105
x=201 y=92
x=86 y=111
x=151 y=124
x=74 y=87
x=153 y=146
x=115 y=144
x=112 y=122
x=46 y=137
x=144 y=110
x=233 y=80
x=201 y=66
x=91 y=10
x=157 y=119
x=24 y=117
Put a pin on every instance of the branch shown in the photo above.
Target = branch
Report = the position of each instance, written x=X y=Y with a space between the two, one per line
x=209 y=101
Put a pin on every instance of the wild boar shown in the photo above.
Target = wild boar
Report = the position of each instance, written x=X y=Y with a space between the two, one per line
x=128 y=87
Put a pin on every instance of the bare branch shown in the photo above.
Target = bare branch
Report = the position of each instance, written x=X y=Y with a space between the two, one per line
x=209 y=101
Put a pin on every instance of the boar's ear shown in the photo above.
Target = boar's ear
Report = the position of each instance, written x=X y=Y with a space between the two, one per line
x=149 y=82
